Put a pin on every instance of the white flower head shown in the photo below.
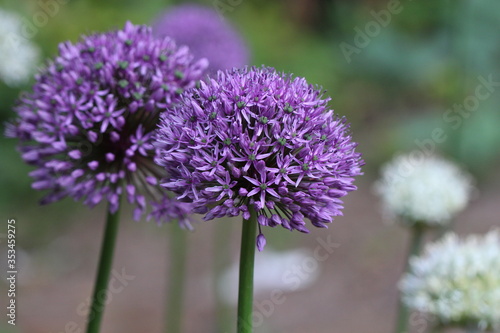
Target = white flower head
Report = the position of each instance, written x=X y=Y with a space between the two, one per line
x=428 y=190
x=18 y=55
x=457 y=281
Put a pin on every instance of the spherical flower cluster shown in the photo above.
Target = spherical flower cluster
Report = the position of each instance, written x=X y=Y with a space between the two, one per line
x=254 y=138
x=90 y=121
x=206 y=34
x=457 y=281
x=431 y=190
x=18 y=56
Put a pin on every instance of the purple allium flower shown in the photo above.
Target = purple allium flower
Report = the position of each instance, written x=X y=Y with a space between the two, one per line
x=206 y=34
x=90 y=121
x=255 y=137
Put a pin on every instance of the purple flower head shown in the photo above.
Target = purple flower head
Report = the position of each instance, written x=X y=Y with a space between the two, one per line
x=206 y=34
x=255 y=138
x=89 y=123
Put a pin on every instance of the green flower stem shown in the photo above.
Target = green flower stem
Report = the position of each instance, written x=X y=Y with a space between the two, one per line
x=105 y=263
x=247 y=257
x=177 y=278
x=417 y=238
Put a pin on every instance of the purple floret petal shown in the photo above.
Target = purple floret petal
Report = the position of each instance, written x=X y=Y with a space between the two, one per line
x=261 y=242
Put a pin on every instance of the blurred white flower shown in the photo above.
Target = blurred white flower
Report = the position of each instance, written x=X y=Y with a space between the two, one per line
x=283 y=271
x=18 y=56
x=457 y=281
x=430 y=190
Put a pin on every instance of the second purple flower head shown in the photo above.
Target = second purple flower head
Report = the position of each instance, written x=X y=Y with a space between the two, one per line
x=258 y=139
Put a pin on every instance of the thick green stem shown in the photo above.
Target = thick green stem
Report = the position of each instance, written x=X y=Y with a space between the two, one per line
x=247 y=257
x=105 y=263
x=415 y=246
x=177 y=278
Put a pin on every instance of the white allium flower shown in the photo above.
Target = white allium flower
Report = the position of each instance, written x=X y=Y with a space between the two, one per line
x=457 y=281
x=429 y=190
x=18 y=56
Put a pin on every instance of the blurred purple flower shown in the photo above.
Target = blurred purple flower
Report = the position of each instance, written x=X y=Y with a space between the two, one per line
x=206 y=34
x=89 y=123
x=261 y=242
x=255 y=137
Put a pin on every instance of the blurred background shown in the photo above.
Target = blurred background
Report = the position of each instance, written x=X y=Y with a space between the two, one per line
x=398 y=70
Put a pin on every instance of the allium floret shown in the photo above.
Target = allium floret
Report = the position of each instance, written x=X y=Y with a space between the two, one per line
x=256 y=138
x=88 y=125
